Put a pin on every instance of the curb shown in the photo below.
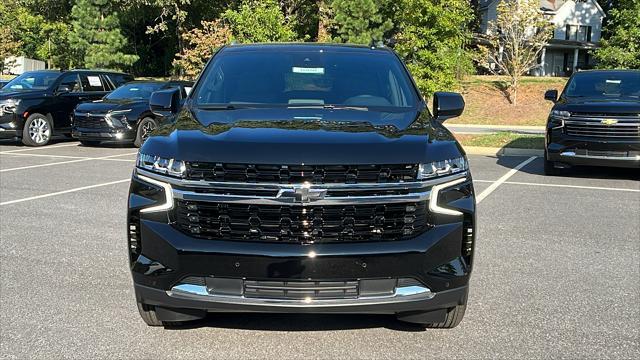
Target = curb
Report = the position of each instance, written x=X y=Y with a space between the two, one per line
x=495 y=151
x=505 y=127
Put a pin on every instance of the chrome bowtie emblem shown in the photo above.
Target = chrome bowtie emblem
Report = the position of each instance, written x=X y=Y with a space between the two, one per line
x=302 y=193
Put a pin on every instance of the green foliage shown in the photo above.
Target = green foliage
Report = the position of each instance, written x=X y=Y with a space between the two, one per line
x=361 y=21
x=259 y=21
x=431 y=39
x=96 y=38
x=54 y=47
x=621 y=37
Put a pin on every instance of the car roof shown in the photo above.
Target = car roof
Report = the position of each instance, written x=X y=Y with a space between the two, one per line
x=604 y=71
x=304 y=47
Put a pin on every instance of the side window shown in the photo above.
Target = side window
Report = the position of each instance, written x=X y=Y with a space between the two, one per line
x=91 y=82
x=120 y=79
x=108 y=84
x=70 y=81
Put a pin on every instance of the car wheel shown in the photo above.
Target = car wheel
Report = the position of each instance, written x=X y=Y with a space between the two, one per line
x=146 y=126
x=89 y=143
x=37 y=130
x=453 y=318
x=550 y=167
x=148 y=314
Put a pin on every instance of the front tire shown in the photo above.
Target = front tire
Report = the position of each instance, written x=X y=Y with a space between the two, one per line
x=145 y=127
x=452 y=319
x=37 y=130
x=148 y=314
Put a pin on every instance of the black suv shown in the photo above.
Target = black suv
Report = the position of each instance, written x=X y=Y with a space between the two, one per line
x=302 y=178
x=596 y=121
x=123 y=115
x=38 y=104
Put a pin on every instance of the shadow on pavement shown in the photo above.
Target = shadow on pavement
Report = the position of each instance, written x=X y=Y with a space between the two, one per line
x=536 y=167
x=299 y=322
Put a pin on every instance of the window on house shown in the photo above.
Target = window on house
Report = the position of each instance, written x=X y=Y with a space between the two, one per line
x=578 y=33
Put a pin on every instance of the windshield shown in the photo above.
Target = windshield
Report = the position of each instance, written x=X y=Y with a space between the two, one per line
x=306 y=78
x=610 y=84
x=134 y=91
x=32 y=81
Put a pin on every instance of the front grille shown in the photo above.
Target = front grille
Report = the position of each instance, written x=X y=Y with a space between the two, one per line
x=300 y=290
x=603 y=125
x=89 y=121
x=301 y=224
x=296 y=174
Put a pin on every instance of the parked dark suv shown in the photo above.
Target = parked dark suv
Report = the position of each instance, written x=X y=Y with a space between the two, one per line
x=595 y=121
x=38 y=104
x=123 y=115
x=302 y=178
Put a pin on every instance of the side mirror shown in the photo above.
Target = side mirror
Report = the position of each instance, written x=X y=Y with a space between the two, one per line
x=447 y=105
x=63 y=89
x=165 y=102
x=551 y=95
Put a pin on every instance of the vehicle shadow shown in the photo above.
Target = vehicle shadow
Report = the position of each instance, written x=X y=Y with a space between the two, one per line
x=54 y=140
x=298 y=322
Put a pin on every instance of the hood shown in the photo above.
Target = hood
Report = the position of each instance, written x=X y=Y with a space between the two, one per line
x=22 y=94
x=599 y=106
x=303 y=136
x=104 y=106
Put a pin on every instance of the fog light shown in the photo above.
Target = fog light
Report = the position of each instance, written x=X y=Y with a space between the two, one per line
x=119 y=136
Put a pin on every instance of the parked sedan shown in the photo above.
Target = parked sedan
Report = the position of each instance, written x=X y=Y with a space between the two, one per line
x=122 y=116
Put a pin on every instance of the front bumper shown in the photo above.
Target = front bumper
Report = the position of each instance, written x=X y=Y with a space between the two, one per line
x=589 y=151
x=10 y=126
x=163 y=256
x=103 y=134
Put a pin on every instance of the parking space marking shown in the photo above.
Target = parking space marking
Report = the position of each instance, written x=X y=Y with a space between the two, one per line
x=67 y=162
x=63 y=192
x=38 y=148
x=504 y=178
x=75 y=157
x=561 y=186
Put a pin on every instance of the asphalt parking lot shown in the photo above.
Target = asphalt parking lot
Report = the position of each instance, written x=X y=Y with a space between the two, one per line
x=557 y=272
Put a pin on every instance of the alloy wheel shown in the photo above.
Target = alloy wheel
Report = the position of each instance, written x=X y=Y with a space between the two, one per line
x=147 y=128
x=39 y=130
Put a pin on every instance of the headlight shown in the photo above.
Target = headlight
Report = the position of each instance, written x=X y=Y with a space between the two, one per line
x=558 y=117
x=442 y=168
x=161 y=165
x=9 y=106
x=117 y=118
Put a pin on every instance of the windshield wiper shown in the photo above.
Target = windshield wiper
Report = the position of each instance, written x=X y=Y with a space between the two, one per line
x=328 y=106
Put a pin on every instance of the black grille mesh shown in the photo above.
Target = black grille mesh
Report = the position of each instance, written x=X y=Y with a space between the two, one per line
x=295 y=174
x=89 y=122
x=301 y=224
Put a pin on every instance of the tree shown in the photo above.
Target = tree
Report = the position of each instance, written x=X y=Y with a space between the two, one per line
x=9 y=46
x=515 y=41
x=621 y=37
x=96 y=38
x=432 y=35
x=361 y=21
x=259 y=21
x=54 y=47
x=200 y=44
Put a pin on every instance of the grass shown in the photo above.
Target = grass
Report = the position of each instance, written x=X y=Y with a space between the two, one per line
x=503 y=139
x=487 y=104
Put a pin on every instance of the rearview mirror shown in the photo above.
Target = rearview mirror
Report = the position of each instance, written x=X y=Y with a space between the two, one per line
x=447 y=105
x=551 y=95
x=165 y=102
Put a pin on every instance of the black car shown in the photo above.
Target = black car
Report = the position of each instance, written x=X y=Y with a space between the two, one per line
x=302 y=178
x=595 y=121
x=3 y=83
x=38 y=104
x=123 y=115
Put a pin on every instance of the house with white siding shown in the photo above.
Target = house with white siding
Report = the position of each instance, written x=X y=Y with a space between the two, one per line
x=577 y=29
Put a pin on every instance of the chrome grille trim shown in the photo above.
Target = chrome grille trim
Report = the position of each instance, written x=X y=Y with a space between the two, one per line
x=591 y=125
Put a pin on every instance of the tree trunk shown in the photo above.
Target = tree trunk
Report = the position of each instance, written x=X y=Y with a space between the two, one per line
x=323 y=26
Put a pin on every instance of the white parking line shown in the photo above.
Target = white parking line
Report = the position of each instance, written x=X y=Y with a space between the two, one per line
x=62 y=192
x=561 y=186
x=504 y=178
x=67 y=162
x=38 y=148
